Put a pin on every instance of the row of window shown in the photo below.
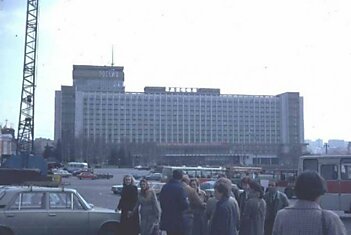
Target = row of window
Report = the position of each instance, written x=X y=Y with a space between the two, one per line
x=181 y=137
x=330 y=171
x=38 y=200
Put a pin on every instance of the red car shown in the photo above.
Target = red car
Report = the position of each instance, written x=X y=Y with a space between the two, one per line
x=87 y=175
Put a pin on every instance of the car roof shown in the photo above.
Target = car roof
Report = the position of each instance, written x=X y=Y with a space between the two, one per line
x=24 y=188
x=209 y=182
x=7 y=191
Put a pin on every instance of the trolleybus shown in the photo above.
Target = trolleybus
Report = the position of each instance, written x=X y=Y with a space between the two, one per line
x=336 y=170
x=201 y=173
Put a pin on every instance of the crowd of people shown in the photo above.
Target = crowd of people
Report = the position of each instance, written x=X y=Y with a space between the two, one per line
x=184 y=209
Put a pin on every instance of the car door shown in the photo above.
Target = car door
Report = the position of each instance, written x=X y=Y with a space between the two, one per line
x=24 y=212
x=66 y=214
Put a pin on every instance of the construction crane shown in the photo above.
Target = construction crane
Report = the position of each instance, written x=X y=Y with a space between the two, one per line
x=24 y=167
x=25 y=133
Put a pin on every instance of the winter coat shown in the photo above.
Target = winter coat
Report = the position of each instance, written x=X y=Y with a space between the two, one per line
x=226 y=217
x=149 y=211
x=253 y=216
x=305 y=217
x=129 y=198
x=275 y=200
x=174 y=202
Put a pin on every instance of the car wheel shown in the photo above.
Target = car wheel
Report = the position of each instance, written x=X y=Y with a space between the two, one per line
x=109 y=229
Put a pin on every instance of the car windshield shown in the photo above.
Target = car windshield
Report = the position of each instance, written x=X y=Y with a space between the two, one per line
x=2 y=194
x=87 y=205
x=207 y=185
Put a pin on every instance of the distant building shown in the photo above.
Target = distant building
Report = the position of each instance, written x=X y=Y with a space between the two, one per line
x=338 y=144
x=315 y=147
x=7 y=143
x=97 y=108
x=40 y=145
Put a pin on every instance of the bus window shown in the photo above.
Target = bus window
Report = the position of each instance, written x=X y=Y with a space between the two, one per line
x=191 y=174
x=197 y=174
x=329 y=172
x=346 y=169
x=206 y=174
x=310 y=164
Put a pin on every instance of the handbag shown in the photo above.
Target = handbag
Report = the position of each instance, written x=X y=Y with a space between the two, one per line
x=156 y=229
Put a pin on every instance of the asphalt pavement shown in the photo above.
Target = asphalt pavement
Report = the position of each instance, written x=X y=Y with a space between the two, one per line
x=98 y=191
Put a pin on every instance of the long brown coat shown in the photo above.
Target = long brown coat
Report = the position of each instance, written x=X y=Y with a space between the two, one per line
x=253 y=216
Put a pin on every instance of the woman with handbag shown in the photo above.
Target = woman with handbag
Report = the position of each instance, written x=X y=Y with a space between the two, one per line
x=149 y=209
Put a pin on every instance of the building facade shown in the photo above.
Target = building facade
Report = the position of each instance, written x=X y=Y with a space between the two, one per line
x=97 y=108
x=7 y=143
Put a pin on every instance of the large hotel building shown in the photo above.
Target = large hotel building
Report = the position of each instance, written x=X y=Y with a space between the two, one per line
x=181 y=123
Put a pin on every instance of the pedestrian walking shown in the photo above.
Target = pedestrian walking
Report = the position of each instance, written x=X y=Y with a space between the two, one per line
x=129 y=221
x=244 y=196
x=306 y=217
x=253 y=217
x=226 y=215
x=275 y=201
x=149 y=209
x=194 y=202
x=200 y=222
x=174 y=202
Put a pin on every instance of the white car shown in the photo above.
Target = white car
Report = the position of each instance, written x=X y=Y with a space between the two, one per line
x=208 y=187
x=61 y=172
x=30 y=210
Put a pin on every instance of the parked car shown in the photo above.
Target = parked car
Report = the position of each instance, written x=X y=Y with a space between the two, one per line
x=137 y=176
x=61 y=172
x=77 y=172
x=117 y=188
x=87 y=175
x=104 y=176
x=208 y=187
x=139 y=167
x=157 y=187
x=154 y=176
x=31 y=210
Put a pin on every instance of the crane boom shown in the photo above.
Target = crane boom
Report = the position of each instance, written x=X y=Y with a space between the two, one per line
x=25 y=133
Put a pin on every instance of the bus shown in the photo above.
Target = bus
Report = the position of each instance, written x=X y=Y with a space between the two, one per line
x=336 y=170
x=201 y=173
x=76 y=166
x=236 y=173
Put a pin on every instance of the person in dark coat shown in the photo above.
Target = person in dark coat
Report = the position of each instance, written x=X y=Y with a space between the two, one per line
x=174 y=202
x=129 y=196
x=244 y=196
x=200 y=221
x=226 y=216
x=253 y=216
x=275 y=201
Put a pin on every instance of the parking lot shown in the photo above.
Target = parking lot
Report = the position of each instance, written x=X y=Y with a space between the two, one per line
x=98 y=192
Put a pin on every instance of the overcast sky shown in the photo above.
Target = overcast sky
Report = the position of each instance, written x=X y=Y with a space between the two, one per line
x=254 y=47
